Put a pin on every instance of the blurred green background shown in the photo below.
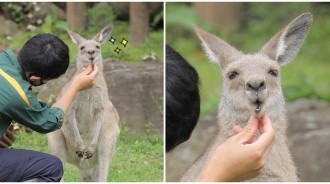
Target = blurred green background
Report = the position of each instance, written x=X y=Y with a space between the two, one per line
x=86 y=18
x=248 y=26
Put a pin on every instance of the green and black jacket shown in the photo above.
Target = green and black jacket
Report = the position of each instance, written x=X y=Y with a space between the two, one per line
x=19 y=103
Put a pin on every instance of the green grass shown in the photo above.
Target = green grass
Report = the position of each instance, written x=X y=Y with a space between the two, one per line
x=137 y=157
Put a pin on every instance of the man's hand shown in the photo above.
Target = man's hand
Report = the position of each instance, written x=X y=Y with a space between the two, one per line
x=8 y=138
x=243 y=155
x=86 y=78
x=82 y=81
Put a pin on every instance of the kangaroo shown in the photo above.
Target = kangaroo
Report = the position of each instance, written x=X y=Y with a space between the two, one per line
x=252 y=85
x=90 y=130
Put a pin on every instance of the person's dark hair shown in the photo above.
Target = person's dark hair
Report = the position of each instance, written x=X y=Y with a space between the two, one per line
x=182 y=99
x=45 y=55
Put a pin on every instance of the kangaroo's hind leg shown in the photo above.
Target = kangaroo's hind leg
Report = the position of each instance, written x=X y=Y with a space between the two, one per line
x=106 y=155
x=103 y=168
x=86 y=174
x=57 y=146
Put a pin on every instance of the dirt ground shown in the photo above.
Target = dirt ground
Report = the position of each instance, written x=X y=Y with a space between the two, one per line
x=308 y=139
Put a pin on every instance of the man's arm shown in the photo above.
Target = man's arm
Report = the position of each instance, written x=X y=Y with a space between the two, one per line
x=82 y=81
x=44 y=119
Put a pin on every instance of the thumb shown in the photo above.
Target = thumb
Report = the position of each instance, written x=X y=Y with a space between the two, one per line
x=267 y=137
x=94 y=72
x=249 y=130
x=237 y=129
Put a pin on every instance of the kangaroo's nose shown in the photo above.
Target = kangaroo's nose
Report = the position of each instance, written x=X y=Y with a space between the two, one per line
x=91 y=52
x=255 y=85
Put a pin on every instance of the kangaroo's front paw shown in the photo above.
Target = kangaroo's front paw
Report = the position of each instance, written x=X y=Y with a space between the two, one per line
x=80 y=149
x=88 y=153
x=80 y=153
x=85 y=153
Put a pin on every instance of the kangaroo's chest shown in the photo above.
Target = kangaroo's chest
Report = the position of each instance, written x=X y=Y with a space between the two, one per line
x=87 y=107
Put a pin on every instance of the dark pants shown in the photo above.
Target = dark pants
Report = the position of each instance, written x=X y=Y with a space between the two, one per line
x=20 y=165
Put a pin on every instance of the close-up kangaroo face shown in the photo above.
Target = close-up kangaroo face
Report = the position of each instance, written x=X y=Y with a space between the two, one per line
x=89 y=51
x=252 y=81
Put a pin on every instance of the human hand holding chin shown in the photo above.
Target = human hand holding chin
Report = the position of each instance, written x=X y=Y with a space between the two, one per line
x=86 y=78
x=243 y=155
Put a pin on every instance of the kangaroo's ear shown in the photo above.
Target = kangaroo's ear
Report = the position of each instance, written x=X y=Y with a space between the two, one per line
x=103 y=34
x=285 y=45
x=217 y=50
x=76 y=38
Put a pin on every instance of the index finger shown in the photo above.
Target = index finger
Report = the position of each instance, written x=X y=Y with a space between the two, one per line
x=249 y=130
x=95 y=71
x=266 y=124
x=267 y=136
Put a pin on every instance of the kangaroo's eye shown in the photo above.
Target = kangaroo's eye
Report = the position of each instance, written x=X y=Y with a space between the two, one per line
x=273 y=72
x=232 y=75
x=97 y=46
x=82 y=48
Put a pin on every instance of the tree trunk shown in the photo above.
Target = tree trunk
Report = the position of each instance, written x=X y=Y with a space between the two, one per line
x=76 y=15
x=139 y=22
x=227 y=14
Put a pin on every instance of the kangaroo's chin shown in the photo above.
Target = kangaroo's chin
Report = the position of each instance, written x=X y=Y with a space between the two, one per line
x=257 y=108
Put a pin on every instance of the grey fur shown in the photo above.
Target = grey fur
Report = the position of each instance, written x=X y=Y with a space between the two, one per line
x=238 y=102
x=89 y=133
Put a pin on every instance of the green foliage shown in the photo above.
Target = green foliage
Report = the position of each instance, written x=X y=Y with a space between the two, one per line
x=27 y=15
x=137 y=157
x=264 y=22
x=180 y=36
x=179 y=21
x=150 y=128
x=158 y=17
x=98 y=18
x=52 y=25
x=153 y=44
x=306 y=77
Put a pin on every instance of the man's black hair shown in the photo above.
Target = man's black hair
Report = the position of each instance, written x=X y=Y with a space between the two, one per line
x=45 y=55
x=182 y=99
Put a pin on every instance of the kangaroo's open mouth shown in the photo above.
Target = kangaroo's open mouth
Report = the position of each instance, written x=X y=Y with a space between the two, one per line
x=258 y=106
x=92 y=60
